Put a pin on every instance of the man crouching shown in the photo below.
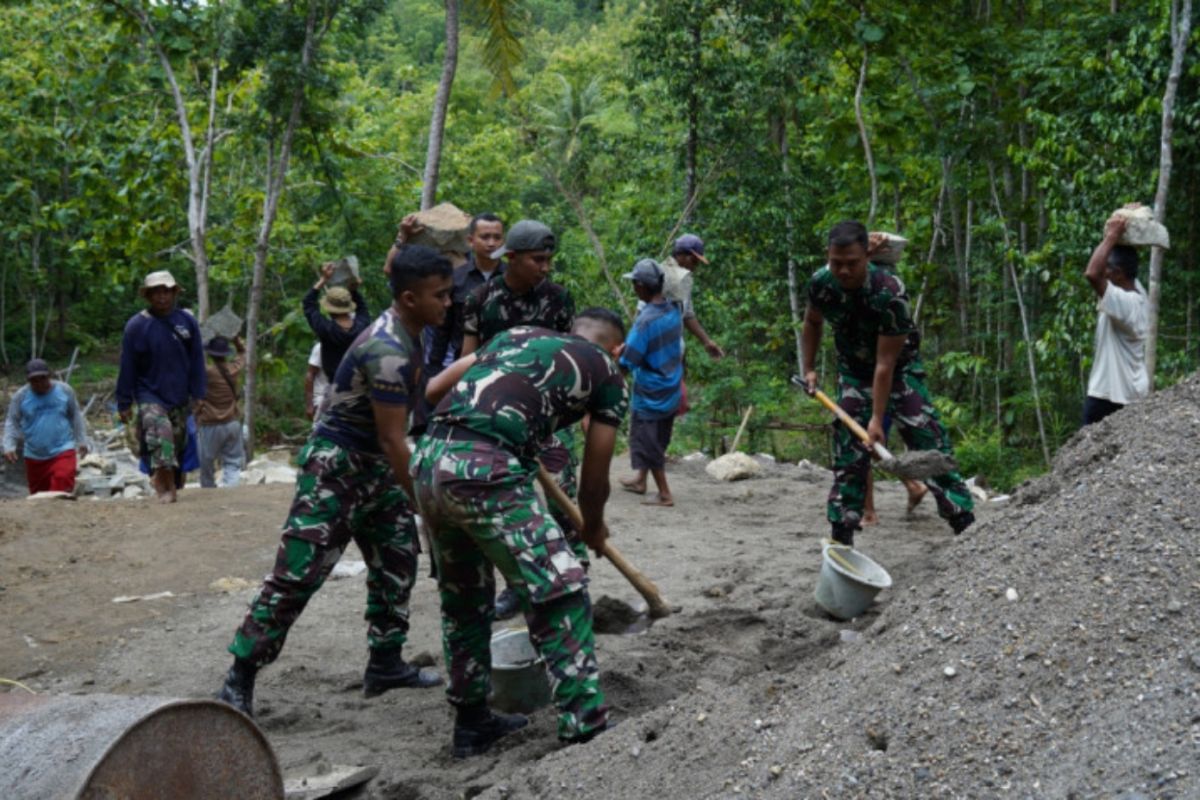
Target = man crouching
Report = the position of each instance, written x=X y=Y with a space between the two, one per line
x=475 y=472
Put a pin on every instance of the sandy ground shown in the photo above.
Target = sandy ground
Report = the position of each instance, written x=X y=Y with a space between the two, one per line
x=739 y=559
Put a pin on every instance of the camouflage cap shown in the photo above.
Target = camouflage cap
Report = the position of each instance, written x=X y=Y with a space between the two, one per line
x=527 y=235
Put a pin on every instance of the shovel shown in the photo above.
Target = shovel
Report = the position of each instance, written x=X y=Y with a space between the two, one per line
x=645 y=586
x=915 y=464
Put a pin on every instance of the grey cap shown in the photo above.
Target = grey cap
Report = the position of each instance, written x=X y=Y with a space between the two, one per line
x=646 y=272
x=526 y=235
x=36 y=367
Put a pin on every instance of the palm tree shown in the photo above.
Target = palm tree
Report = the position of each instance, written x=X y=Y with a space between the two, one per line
x=501 y=54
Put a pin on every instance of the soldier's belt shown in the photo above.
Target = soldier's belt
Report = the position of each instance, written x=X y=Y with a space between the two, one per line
x=457 y=433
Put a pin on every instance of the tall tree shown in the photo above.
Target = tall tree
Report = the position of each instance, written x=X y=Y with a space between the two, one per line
x=1180 y=32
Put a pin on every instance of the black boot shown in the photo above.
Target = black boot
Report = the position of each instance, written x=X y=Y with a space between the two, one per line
x=960 y=522
x=387 y=669
x=843 y=533
x=238 y=690
x=507 y=604
x=477 y=728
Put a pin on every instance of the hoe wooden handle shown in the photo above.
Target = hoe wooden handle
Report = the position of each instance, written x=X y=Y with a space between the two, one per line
x=851 y=423
x=645 y=587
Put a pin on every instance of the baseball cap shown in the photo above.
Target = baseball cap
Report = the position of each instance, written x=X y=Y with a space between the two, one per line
x=36 y=367
x=526 y=235
x=160 y=278
x=218 y=346
x=646 y=272
x=690 y=243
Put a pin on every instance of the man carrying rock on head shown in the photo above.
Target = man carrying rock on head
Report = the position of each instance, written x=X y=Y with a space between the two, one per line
x=1118 y=374
x=475 y=472
x=485 y=235
x=354 y=483
x=162 y=370
x=879 y=371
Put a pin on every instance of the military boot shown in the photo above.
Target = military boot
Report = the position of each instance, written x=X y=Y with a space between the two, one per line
x=843 y=533
x=960 y=522
x=387 y=669
x=507 y=604
x=238 y=690
x=476 y=728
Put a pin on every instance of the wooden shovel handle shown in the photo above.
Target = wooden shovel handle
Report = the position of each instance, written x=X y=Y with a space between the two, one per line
x=851 y=423
x=645 y=587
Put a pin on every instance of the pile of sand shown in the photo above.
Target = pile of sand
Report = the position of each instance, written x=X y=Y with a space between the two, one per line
x=1056 y=653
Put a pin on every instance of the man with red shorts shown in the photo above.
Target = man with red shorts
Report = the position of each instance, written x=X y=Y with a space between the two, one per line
x=45 y=416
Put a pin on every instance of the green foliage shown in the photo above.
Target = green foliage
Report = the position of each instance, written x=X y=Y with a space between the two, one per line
x=1039 y=117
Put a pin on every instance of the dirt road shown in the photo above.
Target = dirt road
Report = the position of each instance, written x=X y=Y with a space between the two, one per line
x=740 y=559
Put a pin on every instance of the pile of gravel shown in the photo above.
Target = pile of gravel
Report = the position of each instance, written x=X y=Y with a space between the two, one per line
x=1057 y=655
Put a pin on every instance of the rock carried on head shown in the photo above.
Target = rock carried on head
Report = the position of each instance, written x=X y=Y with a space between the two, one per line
x=444 y=228
x=891 y=248
x=1141 y=229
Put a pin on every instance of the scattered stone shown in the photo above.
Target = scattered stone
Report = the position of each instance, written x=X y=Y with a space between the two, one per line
x=1010 y=594
x=734 y=467
x=229 y=585
x=1175 y=607
x=776 y=771
x=949 y=672
x=132 y=492
x=848 y=636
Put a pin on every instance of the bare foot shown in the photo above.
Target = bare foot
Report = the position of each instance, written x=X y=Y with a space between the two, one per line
x=660 y=500
x=870 y=517
x=632 y=485
x=915 y=498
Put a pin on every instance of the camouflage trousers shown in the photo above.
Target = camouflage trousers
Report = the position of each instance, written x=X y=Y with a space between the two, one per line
x=340 y=495
x=911 y=407
x=165 y=434
x=483 y=513
x=558 y=457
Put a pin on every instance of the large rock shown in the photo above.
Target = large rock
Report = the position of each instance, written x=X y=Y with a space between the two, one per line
x=223 y=323
x=345 y=272
x=890 y=251
x=445 y=228
x=1141 y=229
x=734 y=467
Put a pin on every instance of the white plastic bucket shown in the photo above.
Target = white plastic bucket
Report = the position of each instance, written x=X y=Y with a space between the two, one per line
x=520 y=684
x=848 y=581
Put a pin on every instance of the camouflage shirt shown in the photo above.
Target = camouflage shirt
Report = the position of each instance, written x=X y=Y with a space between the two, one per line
x=860 y=317
x=530 y=382
x=383 y=365
x=493 y=308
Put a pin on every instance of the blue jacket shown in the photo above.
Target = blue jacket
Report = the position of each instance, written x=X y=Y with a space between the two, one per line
x=49 y=423
x=162 y=361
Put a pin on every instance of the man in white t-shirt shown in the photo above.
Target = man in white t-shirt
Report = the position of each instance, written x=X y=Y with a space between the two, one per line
x=315 y=385
x=1119 y=367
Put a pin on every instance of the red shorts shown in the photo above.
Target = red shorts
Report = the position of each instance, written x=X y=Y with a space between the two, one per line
x=55 y=474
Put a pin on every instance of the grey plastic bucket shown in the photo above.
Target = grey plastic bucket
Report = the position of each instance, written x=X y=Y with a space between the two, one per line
x=520 y=684
x=848 y=581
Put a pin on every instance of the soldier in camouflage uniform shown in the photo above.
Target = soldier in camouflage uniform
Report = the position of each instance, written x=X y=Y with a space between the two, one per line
x=879 y=371
x=524 y=295
x=475 y=471
x=354 y=484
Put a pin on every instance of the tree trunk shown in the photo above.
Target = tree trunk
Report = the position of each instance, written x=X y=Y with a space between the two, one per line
x=866 y=141
x=693 y=140
x=790 y=227
x=196 y=210
x=277 y=167
x=1012 y=269
x=1181 y=30
x=576 y=203
x=441 y=102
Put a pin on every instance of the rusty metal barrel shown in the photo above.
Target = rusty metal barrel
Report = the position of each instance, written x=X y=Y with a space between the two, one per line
x=105 y=747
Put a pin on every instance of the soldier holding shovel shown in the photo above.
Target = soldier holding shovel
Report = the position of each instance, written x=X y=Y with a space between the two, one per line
x=879 y=371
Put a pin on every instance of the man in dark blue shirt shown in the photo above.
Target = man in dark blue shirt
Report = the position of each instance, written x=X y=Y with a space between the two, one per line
x=485 y=235
x=162 y=370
